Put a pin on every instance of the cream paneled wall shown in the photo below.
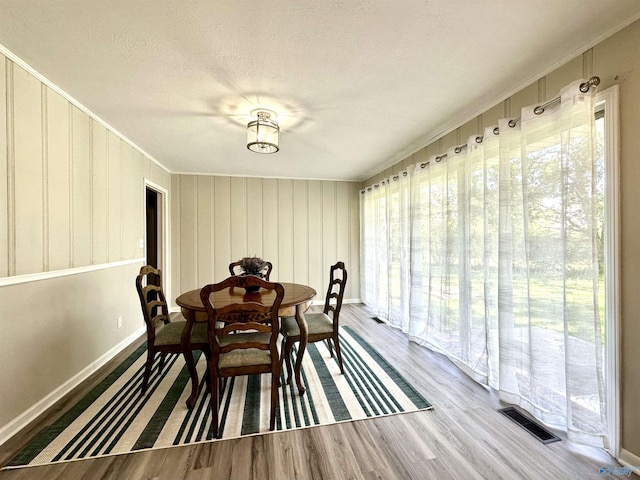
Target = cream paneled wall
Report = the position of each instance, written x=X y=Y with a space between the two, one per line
x=71 y=195
x=301 y=226
x=74 y=189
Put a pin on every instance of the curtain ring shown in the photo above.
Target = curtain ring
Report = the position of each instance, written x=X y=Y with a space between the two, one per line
x=479 y=139
x=457 y=149
x=512 y=123
x=404 y=174
x=539 y=110
x=496 y=131
x=592 y=82
x=422 y=165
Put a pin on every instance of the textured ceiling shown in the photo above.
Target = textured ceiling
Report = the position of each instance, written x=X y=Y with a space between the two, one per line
x=357 y=85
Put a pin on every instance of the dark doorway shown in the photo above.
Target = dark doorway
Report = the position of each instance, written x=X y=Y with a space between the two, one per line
x=154 y=233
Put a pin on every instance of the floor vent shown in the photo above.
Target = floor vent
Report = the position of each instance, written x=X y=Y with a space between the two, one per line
x=379 y=320
x=529 y=425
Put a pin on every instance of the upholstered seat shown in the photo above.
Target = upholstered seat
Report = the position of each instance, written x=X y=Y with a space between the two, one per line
x=317 y=323
x=246 y=357
x=171 y=333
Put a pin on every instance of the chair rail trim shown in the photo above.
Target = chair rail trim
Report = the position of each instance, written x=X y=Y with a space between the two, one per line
x=35 y=277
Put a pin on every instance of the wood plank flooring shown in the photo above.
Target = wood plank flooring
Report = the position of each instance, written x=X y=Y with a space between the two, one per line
x=463 y=438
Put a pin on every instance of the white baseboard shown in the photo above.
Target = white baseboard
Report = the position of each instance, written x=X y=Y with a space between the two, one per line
x=20 y=422
x=630 y=460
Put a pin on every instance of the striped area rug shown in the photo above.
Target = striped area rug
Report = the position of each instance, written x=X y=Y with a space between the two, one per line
x=115 y=419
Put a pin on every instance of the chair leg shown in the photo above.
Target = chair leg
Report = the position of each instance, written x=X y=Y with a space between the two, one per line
x=147 y=370
x=330 y=347
x=275 y=379
x=282 y=360
x=213 y=388
x=287 y=358
x=163 y=356
x=338 y=352
x=207 y=355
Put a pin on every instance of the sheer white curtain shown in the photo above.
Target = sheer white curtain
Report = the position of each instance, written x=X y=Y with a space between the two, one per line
x=551 y=339
x=385 y=230
x=503 y=257
x=454 y=257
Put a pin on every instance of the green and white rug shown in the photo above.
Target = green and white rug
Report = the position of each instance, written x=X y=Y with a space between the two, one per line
x=115 y=419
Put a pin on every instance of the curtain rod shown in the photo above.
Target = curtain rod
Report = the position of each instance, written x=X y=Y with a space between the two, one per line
x=539 y=110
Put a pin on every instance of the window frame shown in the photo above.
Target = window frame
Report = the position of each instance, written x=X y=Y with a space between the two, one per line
x=610 y=99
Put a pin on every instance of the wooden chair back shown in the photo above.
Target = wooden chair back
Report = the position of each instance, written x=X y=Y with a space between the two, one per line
x=235 y=319
x=152 y=300
x=237 y=331
x=335 y=291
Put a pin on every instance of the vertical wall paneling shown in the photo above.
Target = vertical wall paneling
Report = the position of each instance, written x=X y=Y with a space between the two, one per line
x=524 y=98
x=140 y=203
x=300 y=232
x=175 y=282
x=316 y=260
x=140 y=198
x=204 y=231
x=27 y=123
x=81 y=167
x=542 y=89
x=58 y=182
x=300 y=226
x=343 y=228
x=464 y=132
x=587 y=64
x=4 y=170
x=238 y=209
x=329 y=233
x=114 y=163
x=254 y=216
x=561 y=77
x=353 y=282
x=99 y=184
x=222 y=234
x=271 y=227
x=189 y=231
x=285 y=230
x=132 y=205
x=45 y=179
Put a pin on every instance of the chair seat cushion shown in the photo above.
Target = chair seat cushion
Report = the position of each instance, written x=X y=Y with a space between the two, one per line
x=171 y=333
x=244 y=357
x=317 y=323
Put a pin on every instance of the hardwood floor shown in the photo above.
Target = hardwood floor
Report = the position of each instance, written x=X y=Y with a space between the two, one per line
x=463 y=437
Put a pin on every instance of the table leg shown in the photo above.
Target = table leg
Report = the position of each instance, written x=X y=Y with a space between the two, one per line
x=185 y=343
x=302 y=325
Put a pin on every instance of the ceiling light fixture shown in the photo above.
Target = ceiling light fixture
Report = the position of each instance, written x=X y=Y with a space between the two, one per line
x=263 y=133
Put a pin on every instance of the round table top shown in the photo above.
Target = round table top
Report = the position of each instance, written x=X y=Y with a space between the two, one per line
x=294 y=294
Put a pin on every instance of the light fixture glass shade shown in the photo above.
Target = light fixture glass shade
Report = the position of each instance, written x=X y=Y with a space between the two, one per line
x=263 y=134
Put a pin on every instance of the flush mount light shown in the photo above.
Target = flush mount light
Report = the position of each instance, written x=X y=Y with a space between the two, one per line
x=263 y=133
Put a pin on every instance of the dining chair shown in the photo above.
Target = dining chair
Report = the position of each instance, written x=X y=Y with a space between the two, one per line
x=243 y=337
x=234 y=269
x=163 y=335
x=321 y=325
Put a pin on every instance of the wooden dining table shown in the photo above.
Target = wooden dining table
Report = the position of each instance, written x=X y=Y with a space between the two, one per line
x=297 y=299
